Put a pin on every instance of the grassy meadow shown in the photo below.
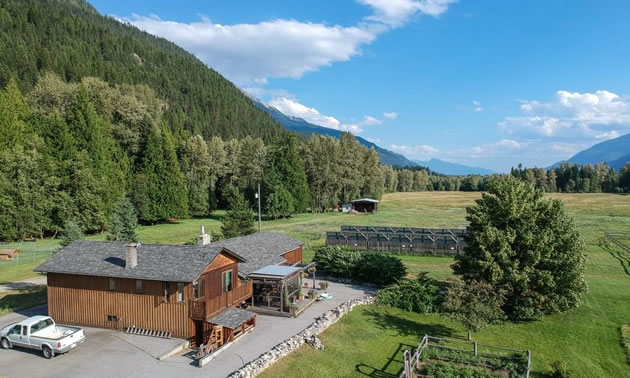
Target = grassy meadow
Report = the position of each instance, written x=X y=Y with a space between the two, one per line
x=370 y=340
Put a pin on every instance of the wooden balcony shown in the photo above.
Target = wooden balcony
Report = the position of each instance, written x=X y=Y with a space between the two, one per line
x=202 y=309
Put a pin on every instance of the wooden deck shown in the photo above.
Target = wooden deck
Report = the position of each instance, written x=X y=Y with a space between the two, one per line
x=204 y=309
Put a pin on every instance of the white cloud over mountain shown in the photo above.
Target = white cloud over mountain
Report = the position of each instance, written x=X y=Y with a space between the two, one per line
x=422 y=151
x=572 y=115
x=292 y=107
x=280 y=48
x=250 y=53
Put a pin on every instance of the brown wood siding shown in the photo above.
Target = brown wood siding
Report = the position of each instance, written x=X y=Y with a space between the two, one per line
x=213 y=280
x=86 y=301
x=294 y=256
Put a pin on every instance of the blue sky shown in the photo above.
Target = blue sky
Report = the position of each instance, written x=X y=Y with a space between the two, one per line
x=485 y=83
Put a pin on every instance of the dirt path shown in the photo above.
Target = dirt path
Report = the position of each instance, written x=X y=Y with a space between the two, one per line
x=35 y=281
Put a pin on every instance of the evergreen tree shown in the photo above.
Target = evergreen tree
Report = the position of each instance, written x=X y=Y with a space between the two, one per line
x=624 y=178
x=525 y=246
x=159 y=188
x=286 y=173
x=238 y=219
x=195 y=164
x=13 y=114
x=71 y=232
x=123 y=222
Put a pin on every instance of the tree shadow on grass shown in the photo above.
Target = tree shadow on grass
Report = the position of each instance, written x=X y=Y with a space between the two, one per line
x=395 y=359
x=405 y=327
x=618 y=255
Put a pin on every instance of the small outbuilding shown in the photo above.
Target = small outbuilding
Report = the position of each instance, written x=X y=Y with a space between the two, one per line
x=9 y=254
x=365 y=205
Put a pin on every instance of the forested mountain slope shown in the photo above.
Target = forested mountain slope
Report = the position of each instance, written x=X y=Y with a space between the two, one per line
x=614 y=152
x=70 y=38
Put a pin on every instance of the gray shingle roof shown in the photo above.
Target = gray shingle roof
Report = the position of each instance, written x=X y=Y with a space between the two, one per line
x=232 y=317
x=177 y=263
x=260 y=249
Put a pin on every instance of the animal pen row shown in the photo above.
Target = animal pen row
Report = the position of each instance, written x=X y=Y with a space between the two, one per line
x=400 y=240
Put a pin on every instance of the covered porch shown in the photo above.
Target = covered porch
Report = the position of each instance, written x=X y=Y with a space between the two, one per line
x=279 y=290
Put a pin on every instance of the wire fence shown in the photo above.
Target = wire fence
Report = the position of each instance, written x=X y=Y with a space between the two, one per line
x=29 y=257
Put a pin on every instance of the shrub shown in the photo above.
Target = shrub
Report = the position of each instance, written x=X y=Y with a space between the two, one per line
x=374 y=268
x=323 y=285
x=475 y=304
x=420 y=296
x=380 y=269
x=338 y=261
x=446 y=370
x=559 y=370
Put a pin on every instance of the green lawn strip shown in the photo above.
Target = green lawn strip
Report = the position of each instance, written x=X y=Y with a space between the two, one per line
x=625 y=339
x=14 y=300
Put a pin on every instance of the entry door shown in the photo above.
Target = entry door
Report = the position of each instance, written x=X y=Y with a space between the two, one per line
x=198 y=332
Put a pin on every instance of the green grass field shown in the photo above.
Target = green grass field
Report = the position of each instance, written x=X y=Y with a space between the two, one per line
x=370 y=341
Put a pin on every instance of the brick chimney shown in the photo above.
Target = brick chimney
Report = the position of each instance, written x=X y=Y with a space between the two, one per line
x=131 y=258
x=203 y=239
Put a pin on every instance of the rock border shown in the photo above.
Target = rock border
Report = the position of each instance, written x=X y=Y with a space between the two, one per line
x=308 y=336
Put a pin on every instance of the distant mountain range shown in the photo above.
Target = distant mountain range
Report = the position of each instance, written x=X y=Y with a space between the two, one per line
x=302 y=127
x=448 y=168
x=614 y=152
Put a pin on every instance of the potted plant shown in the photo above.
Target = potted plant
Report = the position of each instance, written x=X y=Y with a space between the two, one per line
x=323 y=285
x=300 y=293
x=312 y=271
x=312 y=294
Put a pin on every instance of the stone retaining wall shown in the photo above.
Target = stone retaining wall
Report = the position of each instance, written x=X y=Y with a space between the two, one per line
x=308 y=335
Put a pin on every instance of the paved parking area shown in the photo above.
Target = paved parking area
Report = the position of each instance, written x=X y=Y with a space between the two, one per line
x=108 y=353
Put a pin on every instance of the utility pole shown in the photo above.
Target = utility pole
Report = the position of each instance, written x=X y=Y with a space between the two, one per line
x=259 y=218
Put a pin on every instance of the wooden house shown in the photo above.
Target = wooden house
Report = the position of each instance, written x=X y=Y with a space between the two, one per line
x=188 y=291
x=9 y=254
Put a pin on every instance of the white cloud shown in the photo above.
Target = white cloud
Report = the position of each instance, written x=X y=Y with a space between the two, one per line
x=312 y=115
x=477 y=107
x=293 y=108
x=422 y=151
x=370 y=121
x=374 y=140
x=249 y=53
x=281 y=48
x=390 y=115
x=572 y=115
x=509 y=143
x=395 y=13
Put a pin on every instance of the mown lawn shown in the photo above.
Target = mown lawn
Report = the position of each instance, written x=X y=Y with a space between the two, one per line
x=370 y=340
x=14 y=300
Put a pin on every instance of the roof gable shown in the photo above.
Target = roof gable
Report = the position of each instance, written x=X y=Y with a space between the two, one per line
x=259 y=249
x=177 y=263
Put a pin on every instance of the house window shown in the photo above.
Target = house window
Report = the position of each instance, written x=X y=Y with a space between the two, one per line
x=167 y=292
x=138 y=286
x=198 y=289
x=112 y=284
x=180 y=292
x=226 y=280
x=112 y=318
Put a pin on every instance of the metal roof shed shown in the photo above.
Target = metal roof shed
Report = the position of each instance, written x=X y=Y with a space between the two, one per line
x=365 y=205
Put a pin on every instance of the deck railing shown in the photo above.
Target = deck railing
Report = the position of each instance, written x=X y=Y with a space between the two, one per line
x=204 y=309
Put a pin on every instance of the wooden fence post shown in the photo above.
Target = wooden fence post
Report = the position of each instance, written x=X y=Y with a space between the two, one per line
x=476 y=349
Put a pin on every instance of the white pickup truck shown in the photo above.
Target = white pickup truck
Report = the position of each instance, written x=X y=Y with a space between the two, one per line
x=41 y=333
